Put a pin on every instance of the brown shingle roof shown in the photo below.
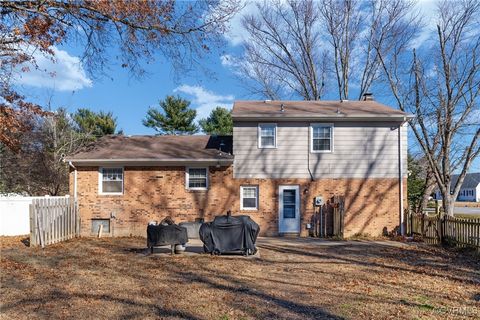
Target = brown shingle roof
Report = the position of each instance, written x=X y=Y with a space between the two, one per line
x=157 y=148
x=314 y=110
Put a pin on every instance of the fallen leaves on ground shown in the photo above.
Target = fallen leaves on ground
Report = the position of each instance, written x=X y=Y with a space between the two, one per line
x=293 y=279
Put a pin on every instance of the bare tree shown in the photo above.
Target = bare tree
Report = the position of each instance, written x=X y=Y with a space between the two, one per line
x=358 y=31
x=282 y=54
x=301 y=45
x=136 y=31
x=441 y=87
x=343 y=25
x=37 y=168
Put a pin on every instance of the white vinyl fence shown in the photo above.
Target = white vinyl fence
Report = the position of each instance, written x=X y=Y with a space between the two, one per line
x=15 y=215
x=53 y=220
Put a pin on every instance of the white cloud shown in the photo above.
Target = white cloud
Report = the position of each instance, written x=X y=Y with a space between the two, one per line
x=236 y=34
x=228 y=60
x=205 y=101
x=63 y=73
x=427 y=10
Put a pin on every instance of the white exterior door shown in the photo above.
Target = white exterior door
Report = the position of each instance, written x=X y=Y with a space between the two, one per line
x=289 y=209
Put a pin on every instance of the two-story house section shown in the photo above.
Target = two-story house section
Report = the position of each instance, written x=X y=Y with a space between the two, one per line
x=283 y=154
x=303 y=149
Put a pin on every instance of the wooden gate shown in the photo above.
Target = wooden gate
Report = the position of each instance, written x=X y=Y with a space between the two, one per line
x=53 y=220
x=329 y=220
x=338 y=215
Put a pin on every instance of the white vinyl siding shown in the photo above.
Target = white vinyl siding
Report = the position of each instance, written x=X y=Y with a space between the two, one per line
x=249 y=198
x=110 y=181
x=361 y=150
x=196 y=178
x=321 y=137
x=267 y=135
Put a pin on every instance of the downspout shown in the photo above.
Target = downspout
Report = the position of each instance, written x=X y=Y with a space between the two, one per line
x=400 y=176
x=74 y=179
x=308 y=154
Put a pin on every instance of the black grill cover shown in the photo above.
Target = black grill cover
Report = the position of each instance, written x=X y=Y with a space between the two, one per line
x=229 y=234
x=162 y=235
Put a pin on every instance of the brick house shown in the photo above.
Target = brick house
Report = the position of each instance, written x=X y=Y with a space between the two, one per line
x=282 y=154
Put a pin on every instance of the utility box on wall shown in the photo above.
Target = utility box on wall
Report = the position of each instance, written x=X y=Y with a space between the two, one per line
x=318 y=201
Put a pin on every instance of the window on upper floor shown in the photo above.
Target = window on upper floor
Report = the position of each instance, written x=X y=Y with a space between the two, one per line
x=197 y=178
x=249 y=198
x=111 y=181
x=267 y=135
x=321 y=137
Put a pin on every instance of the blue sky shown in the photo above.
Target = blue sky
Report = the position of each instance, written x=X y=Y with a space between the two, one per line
x=129 y=98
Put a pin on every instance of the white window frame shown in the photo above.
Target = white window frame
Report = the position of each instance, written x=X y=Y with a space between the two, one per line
x=259 y=135
x=322 y=125
x=256 y=198
x=100 y=180
x=187 y=178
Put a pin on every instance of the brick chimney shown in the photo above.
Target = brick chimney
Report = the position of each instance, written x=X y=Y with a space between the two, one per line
x=367 y=96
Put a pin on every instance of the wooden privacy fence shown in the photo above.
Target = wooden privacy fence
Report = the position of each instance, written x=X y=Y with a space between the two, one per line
x=328 y=220
x=53 y=220
x=440 y=229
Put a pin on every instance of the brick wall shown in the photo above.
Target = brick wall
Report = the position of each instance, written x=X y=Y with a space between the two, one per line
x=152 y=193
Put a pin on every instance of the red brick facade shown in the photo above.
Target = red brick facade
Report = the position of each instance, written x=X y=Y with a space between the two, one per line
x=152 y=193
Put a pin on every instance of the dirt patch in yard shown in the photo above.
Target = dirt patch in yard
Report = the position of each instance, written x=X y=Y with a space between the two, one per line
x=292 y=279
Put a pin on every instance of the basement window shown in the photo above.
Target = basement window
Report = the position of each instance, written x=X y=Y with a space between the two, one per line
x=96 y=223
x=111 y=181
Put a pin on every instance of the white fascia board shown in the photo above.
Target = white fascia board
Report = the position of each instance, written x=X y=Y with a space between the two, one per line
x=150 y=162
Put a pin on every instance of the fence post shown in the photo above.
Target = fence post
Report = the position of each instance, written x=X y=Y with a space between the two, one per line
x=33 y=227
x=423 y=225
x=40 y=223
x=410 y=221
x=440 y=228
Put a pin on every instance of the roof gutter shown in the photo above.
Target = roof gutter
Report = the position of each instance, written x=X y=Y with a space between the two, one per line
x=402 y=118
x=149 y=160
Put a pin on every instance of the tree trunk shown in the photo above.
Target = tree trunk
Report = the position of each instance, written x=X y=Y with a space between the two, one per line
x=430 y=184
x=448 y=204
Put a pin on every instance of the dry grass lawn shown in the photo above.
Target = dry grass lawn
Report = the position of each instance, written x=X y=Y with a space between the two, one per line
x=292 y=279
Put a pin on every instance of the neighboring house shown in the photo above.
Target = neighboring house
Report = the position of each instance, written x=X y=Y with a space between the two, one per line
x=470 y=190
x=282 y=154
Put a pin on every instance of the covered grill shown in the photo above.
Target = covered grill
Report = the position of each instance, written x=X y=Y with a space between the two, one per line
x=228 y=233
x=166 y=233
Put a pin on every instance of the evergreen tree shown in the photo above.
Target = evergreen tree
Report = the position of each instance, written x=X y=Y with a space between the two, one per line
x=219 y=122
x=416 y=182
x=95 y=124
x=175 y=118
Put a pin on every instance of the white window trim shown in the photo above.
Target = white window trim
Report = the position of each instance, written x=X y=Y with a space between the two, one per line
x=332 y=130
x=100 y=179
x=259 y=135
x=187 y=176
x=241 y=198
